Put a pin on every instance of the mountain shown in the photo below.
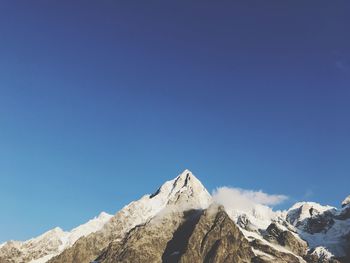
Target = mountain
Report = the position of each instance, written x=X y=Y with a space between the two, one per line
x=49 y=244
x=180 y=222
x=326 y=229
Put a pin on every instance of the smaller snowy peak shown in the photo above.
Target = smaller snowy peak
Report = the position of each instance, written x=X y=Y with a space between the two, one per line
x=91 y=226
x=304 y=210
x=317 y=206
x=42 y=248
x=53 y=237
x=104 y=216
x=322 y=253
x=346 y=201
x=324 y=228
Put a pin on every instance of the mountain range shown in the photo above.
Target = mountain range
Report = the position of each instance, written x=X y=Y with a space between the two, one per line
x=182 y=222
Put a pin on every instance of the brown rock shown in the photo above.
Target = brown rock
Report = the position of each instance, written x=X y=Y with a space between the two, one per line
x=217 y=239
x=286 y=239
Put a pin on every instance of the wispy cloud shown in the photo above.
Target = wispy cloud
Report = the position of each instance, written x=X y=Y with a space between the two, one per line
x=245 y=200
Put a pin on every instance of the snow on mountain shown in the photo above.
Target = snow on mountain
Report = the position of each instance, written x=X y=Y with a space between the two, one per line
x=346 y=201
x=269 y=230
x=83 y=230
x=304 y=210
x=323 y=227
x=322 y=253
x=259 y=217
x=264 y=228
x=42 y=248
x=183 y=192
x=331 y=240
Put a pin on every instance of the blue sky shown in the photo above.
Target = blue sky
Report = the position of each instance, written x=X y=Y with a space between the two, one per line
x=102 y=101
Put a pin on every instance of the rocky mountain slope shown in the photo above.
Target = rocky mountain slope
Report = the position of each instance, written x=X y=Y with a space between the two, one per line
x=49 y=244
x=180 y=222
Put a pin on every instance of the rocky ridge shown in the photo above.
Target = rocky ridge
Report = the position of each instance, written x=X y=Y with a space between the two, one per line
x=181 y=223
x=49 y=244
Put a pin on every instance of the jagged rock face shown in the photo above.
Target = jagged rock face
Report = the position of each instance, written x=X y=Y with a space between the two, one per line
x=324 y=228
x=152 y=241
x=286 y=239
x=216 y=238
x=49 y=244
x=174 y=224
x=32 y=249
x=84 y=250
x=347 y=247
x=195 y=236
x=344 y=214
x=319 y=255
x=244 y=223
x=269 y=254
x=311 y=218
x=10 y=252
x=318 y=223
x=183 y=193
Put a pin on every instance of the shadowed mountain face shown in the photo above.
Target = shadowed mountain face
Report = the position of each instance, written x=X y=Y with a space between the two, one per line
x=192 y=236
x=216 y=238
x=180 y=239
x=181 y=223
x=155 y=212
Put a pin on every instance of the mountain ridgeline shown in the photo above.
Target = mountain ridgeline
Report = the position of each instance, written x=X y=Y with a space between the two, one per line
x=180 y=222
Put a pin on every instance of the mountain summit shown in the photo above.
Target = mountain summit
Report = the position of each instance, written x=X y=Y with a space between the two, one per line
x=180 y=222
x=184 y=190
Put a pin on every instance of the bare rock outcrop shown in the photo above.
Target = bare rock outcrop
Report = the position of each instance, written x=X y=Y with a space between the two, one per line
x=216 y=238
x=286 y=239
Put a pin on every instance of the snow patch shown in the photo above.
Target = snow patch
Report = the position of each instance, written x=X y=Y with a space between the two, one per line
x=322 y=253
x=346 y=201
x=54 y=241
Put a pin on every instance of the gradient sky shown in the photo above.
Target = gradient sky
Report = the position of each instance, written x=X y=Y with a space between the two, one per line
x=103 y=101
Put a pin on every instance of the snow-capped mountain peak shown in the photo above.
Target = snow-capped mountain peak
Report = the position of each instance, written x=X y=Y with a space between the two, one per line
x=185 y=189
x=181 y=193
x=271 y=234
x=301 y=211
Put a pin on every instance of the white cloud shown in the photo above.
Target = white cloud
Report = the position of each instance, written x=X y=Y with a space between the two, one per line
x=240 y=199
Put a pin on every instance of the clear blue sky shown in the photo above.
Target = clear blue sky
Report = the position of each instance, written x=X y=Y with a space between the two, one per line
x=102 y=101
